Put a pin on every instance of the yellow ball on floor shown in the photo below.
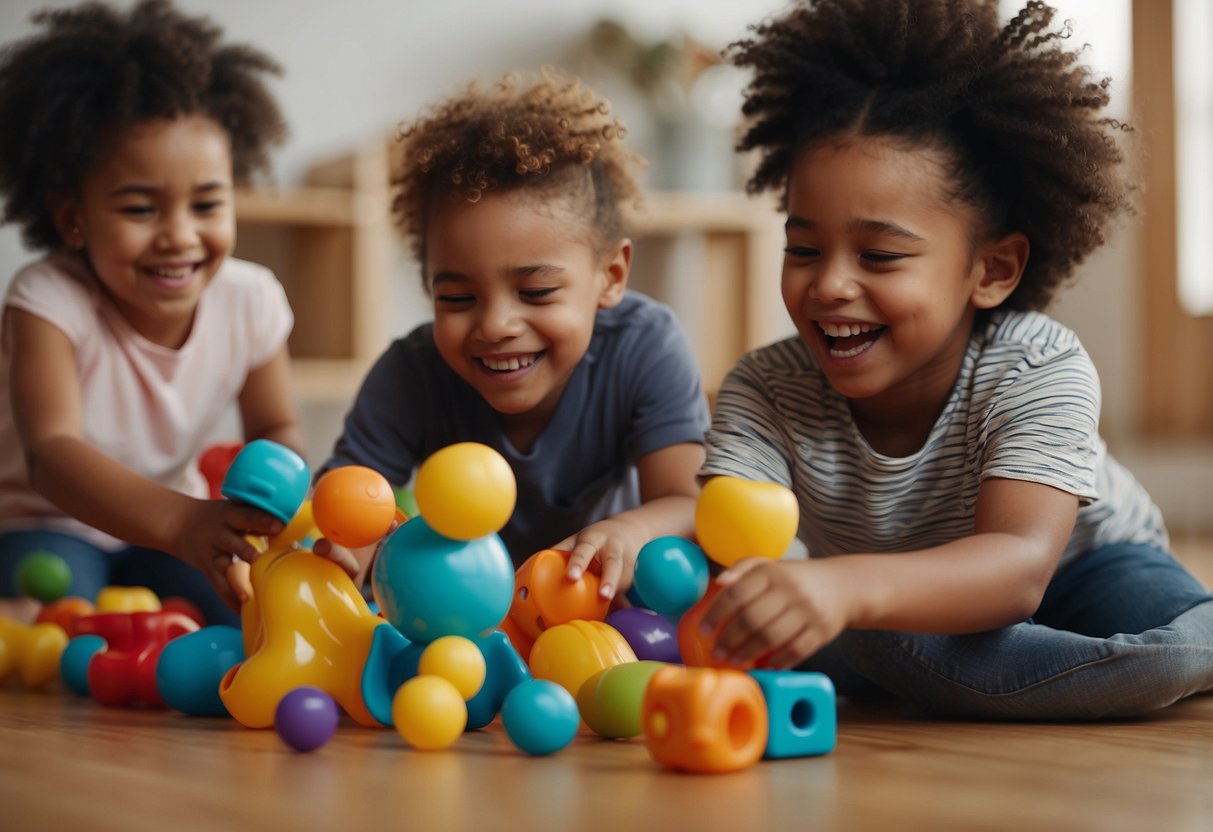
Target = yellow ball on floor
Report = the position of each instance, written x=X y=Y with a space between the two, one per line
x=429 y=712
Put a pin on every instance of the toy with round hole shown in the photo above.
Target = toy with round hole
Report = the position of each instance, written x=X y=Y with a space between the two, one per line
x=465 y=491
x=545 y=597
x=671 y=575
x=704 y=720
x=540 y=717
x=737 y=518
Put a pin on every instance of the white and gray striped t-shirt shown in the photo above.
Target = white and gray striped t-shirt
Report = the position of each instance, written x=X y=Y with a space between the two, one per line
x=1025 y=406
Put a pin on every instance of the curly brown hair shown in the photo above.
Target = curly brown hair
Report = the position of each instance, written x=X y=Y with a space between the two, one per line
x=1014 y=112
x=93 y=72
x=554 y=137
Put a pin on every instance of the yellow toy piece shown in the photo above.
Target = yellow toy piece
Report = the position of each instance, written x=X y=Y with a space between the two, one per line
x=465 y=491
x=32 y=650
x=456 y=659
x=736 y=518
x=306 y=624
x=429 y=713
x=569 y=654
x=127 y=599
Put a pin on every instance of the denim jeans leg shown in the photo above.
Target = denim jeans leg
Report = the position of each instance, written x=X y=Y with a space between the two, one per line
x=169 y=577
x=1148 y=642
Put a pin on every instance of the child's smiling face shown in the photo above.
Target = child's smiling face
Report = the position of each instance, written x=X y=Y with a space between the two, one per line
x=516 y=288
x=156 y=221
x=883 y=274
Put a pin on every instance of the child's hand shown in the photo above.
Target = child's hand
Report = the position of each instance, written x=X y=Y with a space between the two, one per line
x=213 y=532
x=340 y=555
x=778 y=613
x=609 y=547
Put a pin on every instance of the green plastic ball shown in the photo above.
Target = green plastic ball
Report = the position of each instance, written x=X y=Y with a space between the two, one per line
x=44 y=576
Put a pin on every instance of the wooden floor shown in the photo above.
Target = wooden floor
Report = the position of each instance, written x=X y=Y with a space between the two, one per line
x=68 y=763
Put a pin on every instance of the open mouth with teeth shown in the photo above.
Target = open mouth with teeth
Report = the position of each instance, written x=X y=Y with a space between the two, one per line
x=511 y=363
x=173 y=275
x=849 y=339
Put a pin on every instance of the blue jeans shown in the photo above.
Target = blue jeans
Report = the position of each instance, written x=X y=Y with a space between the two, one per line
x=94 y=568
x=1122 y=631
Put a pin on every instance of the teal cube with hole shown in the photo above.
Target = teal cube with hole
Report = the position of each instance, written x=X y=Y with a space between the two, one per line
x=803 y=713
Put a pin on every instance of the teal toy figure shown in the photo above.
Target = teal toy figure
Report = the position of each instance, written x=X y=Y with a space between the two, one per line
x=268 y=476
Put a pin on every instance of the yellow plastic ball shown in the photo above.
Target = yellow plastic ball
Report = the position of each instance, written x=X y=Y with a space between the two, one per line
x=465 y=491
x=736 y=518
x=456 y=659
x=127 y=599
x=429 y=713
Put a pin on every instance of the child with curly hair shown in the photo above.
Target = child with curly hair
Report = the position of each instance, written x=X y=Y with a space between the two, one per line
x=513 y=199
x=974 y=550
x=121 y=134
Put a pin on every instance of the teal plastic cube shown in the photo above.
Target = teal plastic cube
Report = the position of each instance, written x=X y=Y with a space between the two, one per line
x=803 y=712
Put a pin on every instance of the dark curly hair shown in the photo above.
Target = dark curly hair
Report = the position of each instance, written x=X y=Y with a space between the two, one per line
x=554 y=137
x=1014 y=112
x=93 y=72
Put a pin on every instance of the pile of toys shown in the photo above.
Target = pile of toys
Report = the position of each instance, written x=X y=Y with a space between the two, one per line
x=454 y=638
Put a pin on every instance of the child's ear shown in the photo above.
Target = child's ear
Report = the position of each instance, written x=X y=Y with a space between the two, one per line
x=616 y=265
x=1001 y=263
x=66 y=214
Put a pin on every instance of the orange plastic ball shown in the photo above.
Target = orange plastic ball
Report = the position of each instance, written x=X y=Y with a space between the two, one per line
x=353 y=506
x=465 y=491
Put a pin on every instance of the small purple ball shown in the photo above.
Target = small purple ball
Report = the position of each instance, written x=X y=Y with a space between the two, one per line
x=306 y=718
x=651 y=636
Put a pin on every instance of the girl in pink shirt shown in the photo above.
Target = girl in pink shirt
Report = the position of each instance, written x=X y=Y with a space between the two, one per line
x=121 y=135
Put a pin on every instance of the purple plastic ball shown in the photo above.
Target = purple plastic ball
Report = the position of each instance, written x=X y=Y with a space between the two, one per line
x=651 y=636
x=306 y=718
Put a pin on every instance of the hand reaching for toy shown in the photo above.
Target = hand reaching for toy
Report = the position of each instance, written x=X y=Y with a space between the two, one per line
x=355 y=562
x=609 y=547
x=213 y=532
x=778 y=613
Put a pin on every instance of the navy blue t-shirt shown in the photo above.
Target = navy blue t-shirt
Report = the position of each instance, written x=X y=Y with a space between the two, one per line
x=636 y=390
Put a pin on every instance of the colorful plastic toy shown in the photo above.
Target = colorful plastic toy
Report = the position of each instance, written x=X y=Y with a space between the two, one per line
x=306 y=625
x=268 y=476
x=65 y=611
x=214 y=462
x=185 y=606
x=671 y=575
x=521 y=641
x=611 y=701
x=651 y=636
x=306 y=718
x=73 y=664
x=736 y=518
x=456 y=659
x=695 y=647
x=192 y=666
x=540 y=717
x=571 y=653
x=704 y=720
x=465 y=491
x=33 y=650
x=429 y=713
x=124 y=673
x=428 y=585
x=353 y=506
x=545 y=597
x=127 y=599
x=802 y=713
x=43 y=575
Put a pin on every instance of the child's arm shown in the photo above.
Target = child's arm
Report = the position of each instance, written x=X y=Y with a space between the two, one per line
x=786 y=611
x=267 y=409
x=95 y=488
x=668 y=489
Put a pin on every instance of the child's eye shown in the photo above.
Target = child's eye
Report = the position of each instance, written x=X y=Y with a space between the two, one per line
x=208 y=206
x=880 y=256
x=453 y=300
x=800 y=251
x=136 y=210
x=536 y=294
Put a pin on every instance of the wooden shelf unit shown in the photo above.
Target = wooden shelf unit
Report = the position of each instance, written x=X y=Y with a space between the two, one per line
x=331 y=244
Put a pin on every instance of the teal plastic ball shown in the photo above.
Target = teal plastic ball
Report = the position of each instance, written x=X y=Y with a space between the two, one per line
x=540 y=717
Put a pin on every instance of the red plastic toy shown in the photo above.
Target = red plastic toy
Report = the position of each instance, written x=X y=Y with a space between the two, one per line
x=124 y=673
